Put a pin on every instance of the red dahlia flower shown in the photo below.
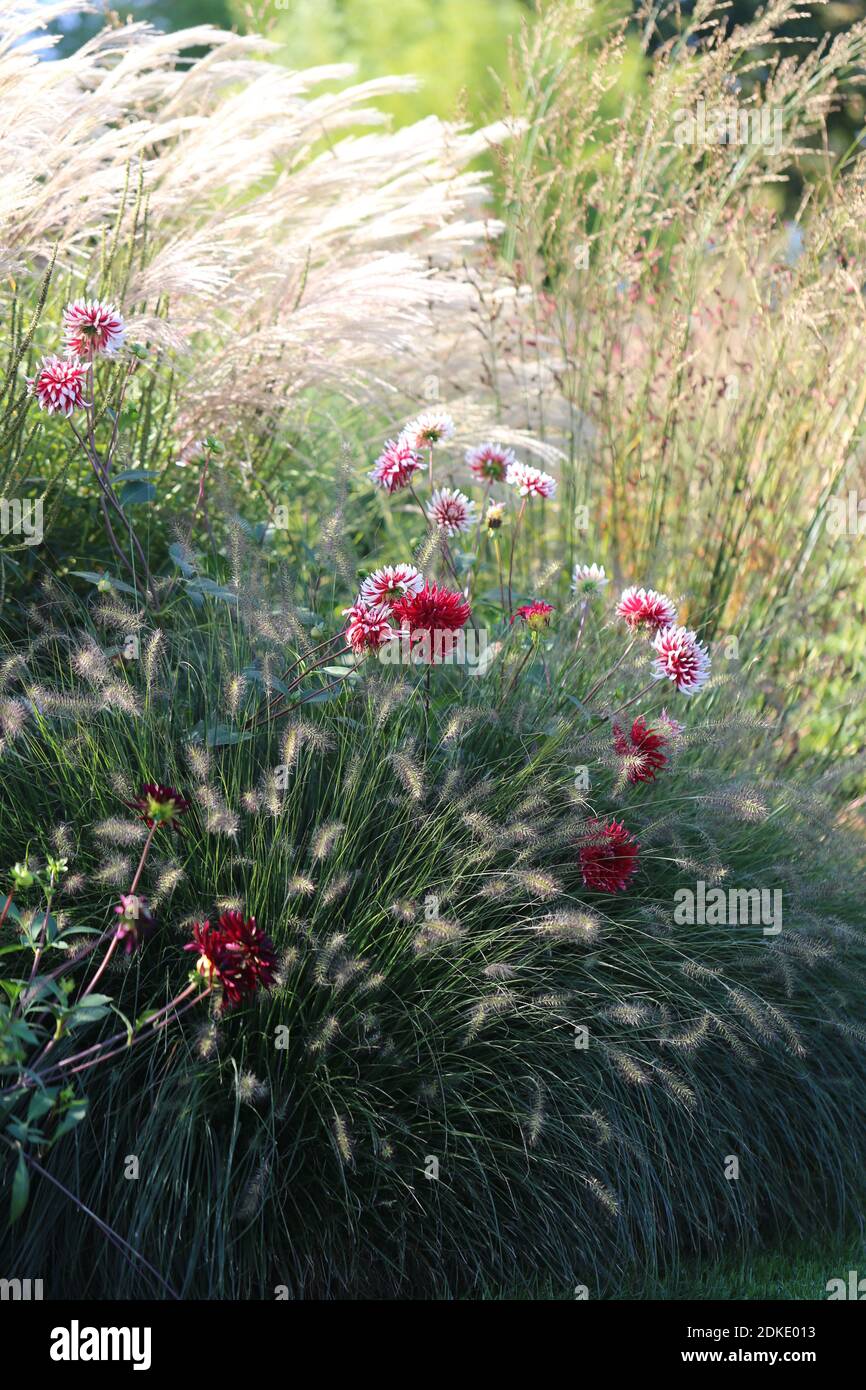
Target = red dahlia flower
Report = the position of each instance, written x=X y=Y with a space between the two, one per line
x=536 y=615
x=432 y=618
x=237 y=954
x=59 y=385
x=642 y=748
x=159 y=805
x=646 y=608
x=608 y=857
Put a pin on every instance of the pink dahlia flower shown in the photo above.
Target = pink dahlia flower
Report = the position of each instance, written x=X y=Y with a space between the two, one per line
x=490 y=462
x=89 y=326
x=682 y=659
x=136 y=923
x=368 y=628
x=529 y=481
x=395 y=465
x=451 y=511
x=646 y=608
x=59 y=385
x=386 y=584
x=608 y=857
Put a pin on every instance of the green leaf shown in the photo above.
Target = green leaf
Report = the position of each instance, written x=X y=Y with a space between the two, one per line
x=135 y=475
x=178 y=554
x=212 y=590
x=93 y=578
x=322 y=696
x=221 y=736
x=252 y=673
x=73 y=1116
x=41 y=1102
x=132 y=494
x=20 y=1188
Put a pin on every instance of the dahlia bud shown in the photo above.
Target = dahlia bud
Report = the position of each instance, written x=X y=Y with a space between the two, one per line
x=22 y=876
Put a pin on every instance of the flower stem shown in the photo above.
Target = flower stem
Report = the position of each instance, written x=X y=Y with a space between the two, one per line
x=114 y=940
x=511 y=556
x=607 y=675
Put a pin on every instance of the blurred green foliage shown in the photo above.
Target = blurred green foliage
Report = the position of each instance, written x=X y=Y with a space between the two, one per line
x=451 y=45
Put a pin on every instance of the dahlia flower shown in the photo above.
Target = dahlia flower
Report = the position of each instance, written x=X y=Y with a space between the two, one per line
x=490 y=462
x=432 y=618
x=430 y=428
x=254 y=949
x=59 y=385
x=642 y=748
x=451 y=511
x=369 y=627
x=536 y=615
x=608 y=857
x=89 y=326
x=646 y=608
x=236 y=954
x=681 y=659
x=529 y=481
x=395 y=465
x=389 y=582
x=136 y=923
x=159 y=805
x=588 y=580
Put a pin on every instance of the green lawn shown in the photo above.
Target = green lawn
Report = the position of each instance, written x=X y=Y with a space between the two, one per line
x=797 y=1273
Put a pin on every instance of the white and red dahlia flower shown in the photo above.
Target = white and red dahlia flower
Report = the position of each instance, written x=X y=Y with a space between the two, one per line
x=451 y=511
x=430 y=428
x=395 y=465
x=588 y=580
x=645 y=608
x=369 y=627
x=490 y=462
x=91 y=327
x=59 y=385
x=681 y=658
x=529 y=481
x=388 y=583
